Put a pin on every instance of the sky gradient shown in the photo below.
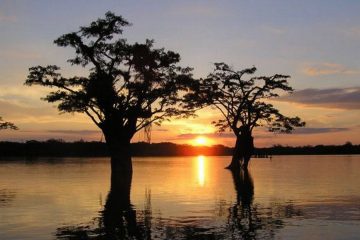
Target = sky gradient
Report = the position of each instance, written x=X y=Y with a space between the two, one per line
x=317 y=43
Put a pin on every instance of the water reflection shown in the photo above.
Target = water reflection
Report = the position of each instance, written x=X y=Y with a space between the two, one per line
x=6 y=196
x=201 y=170
x=245 y=219
x=238 y=219
x=118 y=218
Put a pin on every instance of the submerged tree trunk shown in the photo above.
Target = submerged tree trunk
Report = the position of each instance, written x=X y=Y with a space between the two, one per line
x=120 y=153
x=244 y=148
x=118 y=142
x=236 y=158
x=248 y=150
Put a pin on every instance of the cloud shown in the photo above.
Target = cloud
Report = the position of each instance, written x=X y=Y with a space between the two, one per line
x=23 y=96
x=7 y=18
x=75 y=132
x=351 y=32
x=14 y=109
x=263 y=133
x=209 y=135
x=318 y=130
x=339 y=98
x=328 y=69
x=195 y=9
x=20 y=54
x=273 y=30
x=159 y=130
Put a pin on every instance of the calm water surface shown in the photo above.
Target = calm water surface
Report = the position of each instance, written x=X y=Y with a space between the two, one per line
x=287 y=197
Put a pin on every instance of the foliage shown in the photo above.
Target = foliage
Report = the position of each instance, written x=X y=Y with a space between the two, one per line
x=129 y=86
x=7 y=125
x=243 y=102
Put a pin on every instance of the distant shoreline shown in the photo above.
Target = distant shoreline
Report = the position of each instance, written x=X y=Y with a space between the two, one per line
x=59 y=148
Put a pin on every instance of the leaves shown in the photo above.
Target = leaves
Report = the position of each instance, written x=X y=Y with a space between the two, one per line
x=241 y=99
x=128 y=85
x=7 y=125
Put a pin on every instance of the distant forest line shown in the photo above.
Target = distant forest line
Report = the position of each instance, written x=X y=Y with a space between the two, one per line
x=60 y=148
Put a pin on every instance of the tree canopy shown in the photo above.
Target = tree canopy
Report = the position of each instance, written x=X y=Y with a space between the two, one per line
x=7 y=125
x=243 y=102
x=129 y=86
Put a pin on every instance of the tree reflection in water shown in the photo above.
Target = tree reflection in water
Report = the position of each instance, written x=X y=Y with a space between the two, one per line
x=6 y=197
x=118 y=218
x=243 y=219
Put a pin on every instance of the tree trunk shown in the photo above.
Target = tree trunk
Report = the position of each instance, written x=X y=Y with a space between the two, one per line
x=236 y=158
x=120 y=153
x=246 y=163
x=248 y=150
x=121 y=163
x=244 y=149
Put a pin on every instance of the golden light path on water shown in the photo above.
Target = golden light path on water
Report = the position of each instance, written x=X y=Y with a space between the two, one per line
x=201 y=170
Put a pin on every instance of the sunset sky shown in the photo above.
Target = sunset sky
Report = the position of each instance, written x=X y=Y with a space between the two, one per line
x=316 y=42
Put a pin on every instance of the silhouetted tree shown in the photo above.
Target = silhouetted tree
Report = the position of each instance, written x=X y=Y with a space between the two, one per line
x=129 y=86
x=7 y=125
x=242 y=103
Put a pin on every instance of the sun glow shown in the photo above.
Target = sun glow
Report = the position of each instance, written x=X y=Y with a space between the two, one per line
x=201 y=141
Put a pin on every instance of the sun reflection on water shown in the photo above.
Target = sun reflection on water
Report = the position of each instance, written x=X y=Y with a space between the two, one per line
x=201 y=170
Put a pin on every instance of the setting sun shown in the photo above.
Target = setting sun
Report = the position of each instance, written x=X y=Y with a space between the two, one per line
x=201 y=141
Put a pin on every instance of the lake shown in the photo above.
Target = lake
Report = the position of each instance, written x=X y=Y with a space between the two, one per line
x=286 y=197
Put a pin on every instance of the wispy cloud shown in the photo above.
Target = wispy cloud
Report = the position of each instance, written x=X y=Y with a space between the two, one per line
x=195 y=9
x=159 y=130
x=340 y=98
x=75 y=132
x=20 y=54
x=16 y=110
x=22 y=96
x=273 y=29
x=319 y=130
x=352 y=31
x=328 y=69
x=209 y=135
x=7 y=18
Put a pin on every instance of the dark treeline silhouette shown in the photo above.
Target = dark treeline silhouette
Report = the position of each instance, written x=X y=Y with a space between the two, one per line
x=347 y=148
x=61 y=148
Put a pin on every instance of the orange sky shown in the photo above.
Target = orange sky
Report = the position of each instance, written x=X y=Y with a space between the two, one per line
x=44 y=123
